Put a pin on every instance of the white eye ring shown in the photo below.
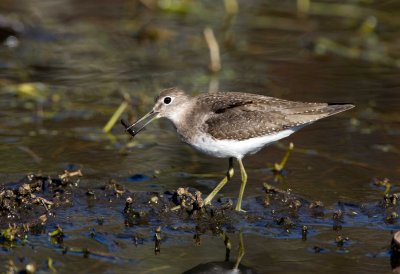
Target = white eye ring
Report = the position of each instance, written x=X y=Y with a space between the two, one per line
x=168 y=100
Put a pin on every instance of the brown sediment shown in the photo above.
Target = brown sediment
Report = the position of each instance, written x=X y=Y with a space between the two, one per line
x=26 y=207
x=36 y=202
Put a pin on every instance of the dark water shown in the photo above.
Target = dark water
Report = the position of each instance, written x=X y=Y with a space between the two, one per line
x=75 y=60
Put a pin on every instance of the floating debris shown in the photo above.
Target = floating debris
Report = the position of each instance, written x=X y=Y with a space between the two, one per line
x=390 y=200
x=128 y=205
x=186 y=200
x=113 y=186
x=304 y=233
x=9 y=234
x=383 y=182
x=57 y=235
x=286 y=222
x=317 y=208
x=132 y=216
x=157 y=240
x=392 y=218
x=340 y=240
x=70 y=174
x=337 y=220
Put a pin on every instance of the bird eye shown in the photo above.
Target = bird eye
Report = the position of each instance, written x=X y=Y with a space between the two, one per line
x=167 y=100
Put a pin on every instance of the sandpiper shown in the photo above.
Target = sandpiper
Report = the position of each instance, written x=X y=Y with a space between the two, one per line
x=232 y=124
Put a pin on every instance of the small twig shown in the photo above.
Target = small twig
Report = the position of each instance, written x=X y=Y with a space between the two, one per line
x=272 y=189
x=231 y=7
x=175 y=208
x=115 y=117
x=43 y=201
x=199 y=199
x=68 y=174
x=44 y=205
x=215 y=64
x=43 y=219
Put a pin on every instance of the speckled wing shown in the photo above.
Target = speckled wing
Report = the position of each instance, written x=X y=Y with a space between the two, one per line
x=247 y=115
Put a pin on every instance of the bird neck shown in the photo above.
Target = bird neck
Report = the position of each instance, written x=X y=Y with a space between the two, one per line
x=178 y=116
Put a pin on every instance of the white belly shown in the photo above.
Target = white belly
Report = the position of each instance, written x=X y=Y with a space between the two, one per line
x=232 y=148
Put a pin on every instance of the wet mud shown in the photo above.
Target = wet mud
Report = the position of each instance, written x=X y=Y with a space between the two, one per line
x=37 y=207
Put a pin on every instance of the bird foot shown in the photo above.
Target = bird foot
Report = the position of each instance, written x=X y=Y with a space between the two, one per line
x=207 y=201
x=240 y=210
x=279 y=167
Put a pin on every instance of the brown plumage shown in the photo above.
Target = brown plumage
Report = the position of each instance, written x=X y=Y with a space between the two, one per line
x=240 y=116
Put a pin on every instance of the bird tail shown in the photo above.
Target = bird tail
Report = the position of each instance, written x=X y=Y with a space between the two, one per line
x=333 y=108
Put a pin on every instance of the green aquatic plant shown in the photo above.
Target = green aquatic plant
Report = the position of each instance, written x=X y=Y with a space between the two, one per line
x=9 y=234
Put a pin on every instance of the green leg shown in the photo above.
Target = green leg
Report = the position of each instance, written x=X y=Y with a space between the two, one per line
x=279 y=167
x=241 y=251
x=226 y=179
x=242 y=186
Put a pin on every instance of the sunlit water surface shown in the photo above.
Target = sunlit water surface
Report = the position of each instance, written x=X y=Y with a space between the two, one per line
x=81 y=57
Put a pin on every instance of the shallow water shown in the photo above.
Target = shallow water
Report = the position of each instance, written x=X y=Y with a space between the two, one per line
x=75 y=60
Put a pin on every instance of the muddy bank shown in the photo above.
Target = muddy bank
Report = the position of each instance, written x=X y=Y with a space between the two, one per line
x=70 y=219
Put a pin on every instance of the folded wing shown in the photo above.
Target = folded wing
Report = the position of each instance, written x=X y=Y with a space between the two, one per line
x=247 y=116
